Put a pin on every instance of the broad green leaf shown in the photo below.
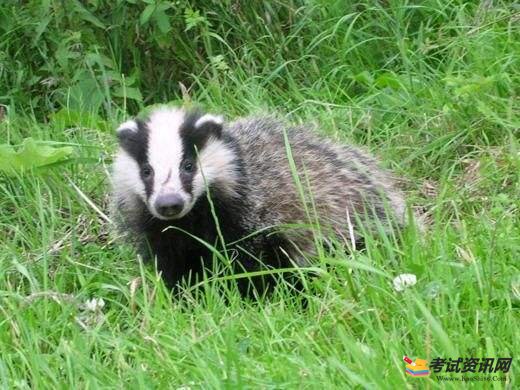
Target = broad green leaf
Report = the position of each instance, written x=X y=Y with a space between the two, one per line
x=146 y=14
x=389 y=80
x=364 y=78
x=129 y=93
x=162 y=21
x=86 y=15
x=30 y=154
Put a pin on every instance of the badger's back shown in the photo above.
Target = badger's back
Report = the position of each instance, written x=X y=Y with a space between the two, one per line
x=342 y=186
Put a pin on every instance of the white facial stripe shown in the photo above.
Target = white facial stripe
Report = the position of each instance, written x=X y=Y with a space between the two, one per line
x=165 y=151
x=128 y=125
x=215 y=162
x=209 y=118
x=126 y=178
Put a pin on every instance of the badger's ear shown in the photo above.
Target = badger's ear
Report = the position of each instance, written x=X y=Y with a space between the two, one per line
x=126 y=131
x=197 y=129
x=209 y=125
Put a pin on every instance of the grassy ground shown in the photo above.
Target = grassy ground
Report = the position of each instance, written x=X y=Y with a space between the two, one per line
x=430 y=87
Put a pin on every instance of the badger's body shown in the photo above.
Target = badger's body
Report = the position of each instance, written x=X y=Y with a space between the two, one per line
x=268 y=206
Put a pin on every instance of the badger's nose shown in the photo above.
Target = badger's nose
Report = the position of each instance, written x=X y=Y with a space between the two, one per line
x=169 y=205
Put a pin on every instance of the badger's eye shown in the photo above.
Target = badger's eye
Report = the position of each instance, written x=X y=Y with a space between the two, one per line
x=187 y=166
x=147 y=171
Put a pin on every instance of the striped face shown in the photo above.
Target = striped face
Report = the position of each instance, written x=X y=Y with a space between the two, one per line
x=170 y=159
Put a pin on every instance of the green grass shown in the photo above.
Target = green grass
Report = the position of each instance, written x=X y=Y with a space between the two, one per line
x=430 y=87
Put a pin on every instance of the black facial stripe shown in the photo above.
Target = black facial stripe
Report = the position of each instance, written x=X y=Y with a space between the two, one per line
x=135 y=143
x=193 y=141
x=187 y=180
x=189 y=155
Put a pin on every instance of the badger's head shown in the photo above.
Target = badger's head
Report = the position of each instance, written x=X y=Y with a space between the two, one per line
x=169 y=160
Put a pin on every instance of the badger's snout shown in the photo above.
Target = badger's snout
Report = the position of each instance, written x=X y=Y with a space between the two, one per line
x=169 y=205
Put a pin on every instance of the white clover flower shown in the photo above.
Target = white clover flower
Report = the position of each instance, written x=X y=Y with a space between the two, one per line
x=91 y=313
x=94 y=304
x=404 y=281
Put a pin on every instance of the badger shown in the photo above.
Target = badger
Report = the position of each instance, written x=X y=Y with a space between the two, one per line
x=267 y=194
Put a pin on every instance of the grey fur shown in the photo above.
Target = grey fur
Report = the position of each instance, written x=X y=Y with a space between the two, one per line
x=343 y=184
